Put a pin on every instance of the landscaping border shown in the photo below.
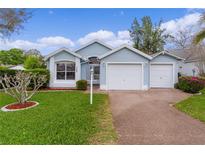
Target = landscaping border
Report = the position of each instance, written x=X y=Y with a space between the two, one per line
x=4 y=109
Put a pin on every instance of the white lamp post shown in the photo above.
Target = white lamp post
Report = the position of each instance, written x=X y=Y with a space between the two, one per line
x=91 y=85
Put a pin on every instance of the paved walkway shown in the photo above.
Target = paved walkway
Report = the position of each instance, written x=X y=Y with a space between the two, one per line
x=147 y=117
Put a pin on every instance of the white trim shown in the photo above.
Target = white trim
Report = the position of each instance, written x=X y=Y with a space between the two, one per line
x=64 y=60
x=163 y=63
x=58 y=80
x=167 y=53
x=128 y=63
x=92 y=42
x=128 y=47
x=60 y=50
x=91 y=57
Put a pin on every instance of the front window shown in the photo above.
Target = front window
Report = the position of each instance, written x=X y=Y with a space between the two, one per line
x=65 y=71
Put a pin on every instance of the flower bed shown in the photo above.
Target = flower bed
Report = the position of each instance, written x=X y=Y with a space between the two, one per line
x=191 y=84
x=19 y=106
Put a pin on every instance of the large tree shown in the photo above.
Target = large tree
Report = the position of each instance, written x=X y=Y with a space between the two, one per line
x=148 y=37
x=11 y=20
x=201 y=35
x=182 y=39
x=12 y=57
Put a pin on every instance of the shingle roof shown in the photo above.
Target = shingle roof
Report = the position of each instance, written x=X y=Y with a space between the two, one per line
x=190 y=54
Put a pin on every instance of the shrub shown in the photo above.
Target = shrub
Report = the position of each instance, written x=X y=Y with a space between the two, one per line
x=37 y=71
x=33 y=62
x=81 y=85
x=176 y=86
x=191 y=84
x=3 y=68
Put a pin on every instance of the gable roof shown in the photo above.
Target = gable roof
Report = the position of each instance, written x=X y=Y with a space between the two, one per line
x=60 y=50
x=194 y=54
x=92 y=42
x=167 y=53
x=128 y=47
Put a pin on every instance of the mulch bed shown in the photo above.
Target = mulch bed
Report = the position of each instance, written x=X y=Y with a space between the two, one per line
x=20 y=105
x=58 y=89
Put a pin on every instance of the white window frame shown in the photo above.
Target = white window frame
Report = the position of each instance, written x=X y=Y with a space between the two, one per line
x=65 y=62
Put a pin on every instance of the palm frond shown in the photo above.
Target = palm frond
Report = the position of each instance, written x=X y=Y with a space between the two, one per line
x=199 y=37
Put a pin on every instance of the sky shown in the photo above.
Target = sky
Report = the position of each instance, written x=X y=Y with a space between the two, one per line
x=50 y=29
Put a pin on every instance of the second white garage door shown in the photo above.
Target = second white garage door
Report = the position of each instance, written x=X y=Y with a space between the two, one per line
x=124 y=76
x=161 y=75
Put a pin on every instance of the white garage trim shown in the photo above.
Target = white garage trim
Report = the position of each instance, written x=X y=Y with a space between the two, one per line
x=121 y=63
x=165 y=63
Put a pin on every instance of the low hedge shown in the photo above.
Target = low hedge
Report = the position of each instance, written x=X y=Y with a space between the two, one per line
x=191 y=84
x=37 y=71
x=81 y=85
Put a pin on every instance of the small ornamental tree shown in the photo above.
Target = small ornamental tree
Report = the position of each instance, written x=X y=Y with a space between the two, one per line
x=16 y=86
x=33 y=62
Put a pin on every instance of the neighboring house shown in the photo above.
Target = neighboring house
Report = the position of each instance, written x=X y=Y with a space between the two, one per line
x=194 y=62
x=17 y=67
x=122 y=68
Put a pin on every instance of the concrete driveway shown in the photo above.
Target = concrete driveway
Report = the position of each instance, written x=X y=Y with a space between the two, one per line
x=147 y=117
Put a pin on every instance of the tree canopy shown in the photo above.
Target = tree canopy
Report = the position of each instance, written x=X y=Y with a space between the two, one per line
x=11 y=20
x=34 y=61
x=12 y=57
x=200 y=36
x=148 y=37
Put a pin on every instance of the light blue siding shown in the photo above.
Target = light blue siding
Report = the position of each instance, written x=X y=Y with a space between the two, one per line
x=64 y=56
x=94 y=49
x=124 y=55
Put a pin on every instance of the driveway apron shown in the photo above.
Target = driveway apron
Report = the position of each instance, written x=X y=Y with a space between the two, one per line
x=148 y=117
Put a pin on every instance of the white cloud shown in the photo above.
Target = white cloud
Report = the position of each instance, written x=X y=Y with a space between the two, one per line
x=44 y=44
x=48 y=44
x=190 y=21
x=108 y=37
x=57 y=40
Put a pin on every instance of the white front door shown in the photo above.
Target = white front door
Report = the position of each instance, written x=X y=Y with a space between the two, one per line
x=161 y=75
x=124 y=76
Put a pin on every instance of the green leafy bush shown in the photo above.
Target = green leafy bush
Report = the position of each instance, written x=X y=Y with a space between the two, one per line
x=81 y=85
x=3 y=68
x=191 y=84
x=176 y=86
x=37 y=71
x=33 y=62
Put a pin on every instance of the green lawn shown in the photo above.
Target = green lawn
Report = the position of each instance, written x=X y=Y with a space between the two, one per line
x=60 y=118
x=194 y=106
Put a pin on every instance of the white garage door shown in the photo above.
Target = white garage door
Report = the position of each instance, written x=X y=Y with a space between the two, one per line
x=124 y=76
x=161 y=75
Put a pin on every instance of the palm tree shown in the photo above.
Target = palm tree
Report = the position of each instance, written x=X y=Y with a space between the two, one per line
x=201 y=35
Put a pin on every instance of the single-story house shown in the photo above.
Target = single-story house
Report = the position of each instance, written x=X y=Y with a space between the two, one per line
x=121 y=68
x=194 y=62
